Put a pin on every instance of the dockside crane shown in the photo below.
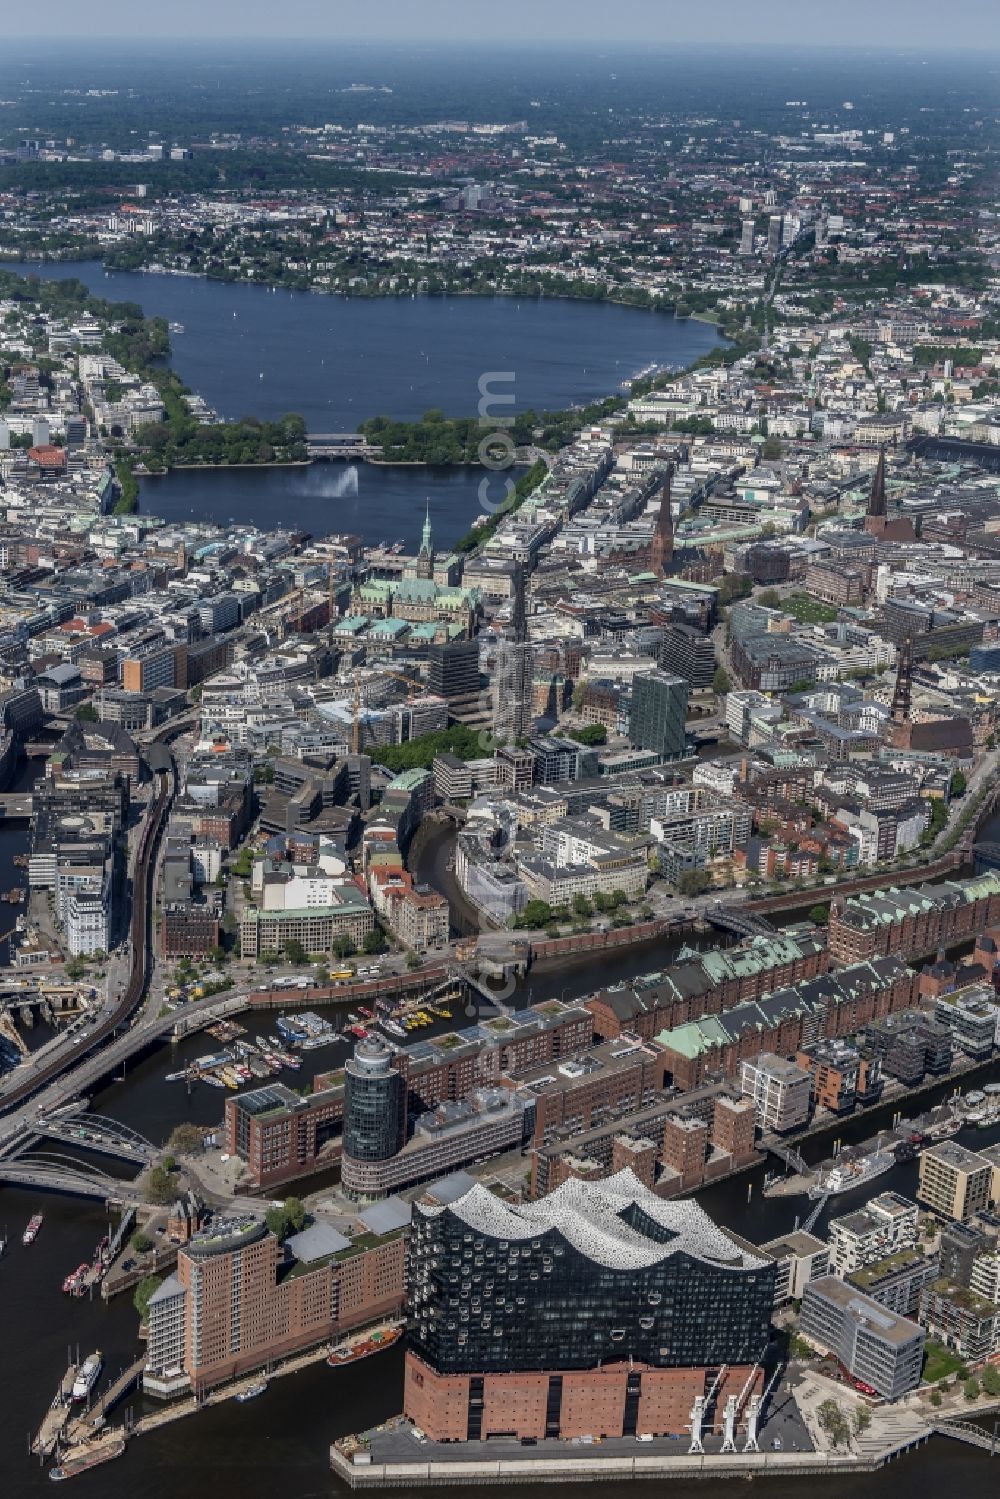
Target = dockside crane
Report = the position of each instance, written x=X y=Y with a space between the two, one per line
x=701 y=1405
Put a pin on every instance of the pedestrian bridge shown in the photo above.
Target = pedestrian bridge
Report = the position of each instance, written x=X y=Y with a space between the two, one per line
x=57 y=1173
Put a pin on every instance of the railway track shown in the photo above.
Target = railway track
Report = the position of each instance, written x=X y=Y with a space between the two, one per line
x=145 y=865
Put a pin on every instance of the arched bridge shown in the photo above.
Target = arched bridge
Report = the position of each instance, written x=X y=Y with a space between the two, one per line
x=93 y=1132
x=740 y=923
x=58 y=1173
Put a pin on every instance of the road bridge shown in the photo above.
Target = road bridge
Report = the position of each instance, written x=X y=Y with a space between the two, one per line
x=16 y=804
x=340 y=445
x=93 y=1132
x=740 y=923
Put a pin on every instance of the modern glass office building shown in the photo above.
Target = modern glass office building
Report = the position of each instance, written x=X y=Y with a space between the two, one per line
x=594 y=1273
x=374 y=1104
x=659 y=709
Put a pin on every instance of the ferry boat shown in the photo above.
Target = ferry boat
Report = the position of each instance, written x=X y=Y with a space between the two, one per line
x=350 y=1353
x=81 y=1459
x=72 y=1282
x=88 y=1375
x=31 y=1232
x=250 y=1393
x=844 y=1178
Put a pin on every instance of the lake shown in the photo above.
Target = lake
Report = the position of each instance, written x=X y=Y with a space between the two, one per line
x=250 y=351
x=338 y=360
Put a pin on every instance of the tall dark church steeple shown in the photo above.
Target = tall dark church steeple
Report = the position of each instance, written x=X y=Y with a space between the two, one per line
x=519 y=613
x=662 y=549
x=876 y=500
x=904 y=683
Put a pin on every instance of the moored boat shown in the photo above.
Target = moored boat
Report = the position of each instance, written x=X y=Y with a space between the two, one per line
x=251 y=1392
x=88 y=1375
x=82 y=1458
x=72 y=1282
x=31 y=1232
x=845 y=1177
x=350 y=1353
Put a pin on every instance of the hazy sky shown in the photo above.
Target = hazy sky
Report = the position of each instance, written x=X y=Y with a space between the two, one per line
x=892 y=23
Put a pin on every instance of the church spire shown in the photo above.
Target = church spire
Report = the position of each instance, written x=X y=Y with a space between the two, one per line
x=663 y=535
x=876 y=501
x=519 y=612
x=904 y=683
x=425 y=557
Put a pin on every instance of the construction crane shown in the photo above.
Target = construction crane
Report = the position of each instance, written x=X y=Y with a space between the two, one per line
x=754 y=1410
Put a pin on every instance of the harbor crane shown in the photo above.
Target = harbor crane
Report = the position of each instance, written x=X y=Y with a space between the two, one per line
x=755 y=1410
x=701 y=1405
x=734 y=1406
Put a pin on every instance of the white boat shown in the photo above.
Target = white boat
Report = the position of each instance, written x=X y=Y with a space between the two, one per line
x=844 y=1178
x=251 y=1392
x=88 y=1375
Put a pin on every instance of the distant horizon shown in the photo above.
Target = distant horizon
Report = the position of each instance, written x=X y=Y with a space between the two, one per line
x=592 y=45
x=893 y=24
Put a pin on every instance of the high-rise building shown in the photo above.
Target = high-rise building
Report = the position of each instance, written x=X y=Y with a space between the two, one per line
x=453 y=670
x=514 y=674
x=659 y=709
x=774 y=224
x=599 y=1308
x=746 y=237
x=374 y=1103
x=687 y=653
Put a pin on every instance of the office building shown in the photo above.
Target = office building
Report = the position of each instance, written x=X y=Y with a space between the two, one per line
x=599 y=1309
x=687 y=653
x=879 y=1349
x=374 y=1104
x=453 y=670
x=954 y=1182
x=746 y=237
x=658 y=713
x=780 y=1092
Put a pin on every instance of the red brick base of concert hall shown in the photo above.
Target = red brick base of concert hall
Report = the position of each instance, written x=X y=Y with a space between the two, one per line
x=612 y=1401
